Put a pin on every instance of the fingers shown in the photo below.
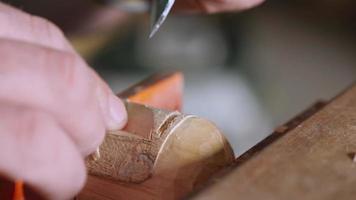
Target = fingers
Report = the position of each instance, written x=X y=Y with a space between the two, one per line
x=215 y=6
x=34 y=148
x=61 y=84
x=113 y=108
x=59 y=106
x=19 y=25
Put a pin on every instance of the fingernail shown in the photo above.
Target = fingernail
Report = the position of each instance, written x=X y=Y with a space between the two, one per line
x=117 y=112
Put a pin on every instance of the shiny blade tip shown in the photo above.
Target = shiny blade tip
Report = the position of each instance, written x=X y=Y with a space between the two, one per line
x=161 y=18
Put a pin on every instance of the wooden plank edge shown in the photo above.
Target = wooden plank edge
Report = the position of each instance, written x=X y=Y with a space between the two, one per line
x=259 y=147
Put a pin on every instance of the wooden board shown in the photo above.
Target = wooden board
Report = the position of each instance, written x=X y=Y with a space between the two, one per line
x=315 y=160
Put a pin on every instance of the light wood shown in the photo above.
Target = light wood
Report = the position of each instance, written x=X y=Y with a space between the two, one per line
x=129 y=155
x=159 y=155
x=315 y=160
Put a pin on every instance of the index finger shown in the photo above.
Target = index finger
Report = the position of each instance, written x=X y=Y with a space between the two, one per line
x=20 y=26
x=16 y=24
x=214 y=6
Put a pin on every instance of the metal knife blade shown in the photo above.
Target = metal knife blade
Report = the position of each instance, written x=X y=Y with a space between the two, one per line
x=159 y=12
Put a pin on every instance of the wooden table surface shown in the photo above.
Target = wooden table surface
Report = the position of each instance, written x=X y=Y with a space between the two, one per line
x=314 y=160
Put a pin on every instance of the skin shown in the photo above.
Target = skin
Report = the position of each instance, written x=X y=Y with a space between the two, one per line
x=54 y=109
x=214 y=6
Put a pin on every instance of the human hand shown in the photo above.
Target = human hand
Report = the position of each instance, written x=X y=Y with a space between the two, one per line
x=53 y=108
x=215 y=6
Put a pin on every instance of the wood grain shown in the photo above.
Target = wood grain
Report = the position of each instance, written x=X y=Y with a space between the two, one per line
x=312 y=161
x=130 y=154
x=162 y=155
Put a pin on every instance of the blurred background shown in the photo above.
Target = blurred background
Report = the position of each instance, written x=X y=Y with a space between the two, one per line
x=248 y=72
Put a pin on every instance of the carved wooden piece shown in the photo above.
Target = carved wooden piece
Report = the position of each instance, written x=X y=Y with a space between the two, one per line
x=159 y=155
x=129 y=154
x=180 y=151
x=312 y=161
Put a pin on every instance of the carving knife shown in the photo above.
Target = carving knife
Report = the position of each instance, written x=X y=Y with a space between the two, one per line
x=159 y=12
x=159 y=9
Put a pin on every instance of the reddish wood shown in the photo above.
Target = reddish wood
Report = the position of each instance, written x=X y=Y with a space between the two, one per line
x=314 y=160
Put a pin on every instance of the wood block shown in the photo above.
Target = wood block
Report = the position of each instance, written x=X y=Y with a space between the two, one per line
x=160 y=154
x=164 y=155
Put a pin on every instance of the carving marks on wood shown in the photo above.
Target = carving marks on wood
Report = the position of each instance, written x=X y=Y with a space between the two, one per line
x=182 y=152
x=129 y=155
x=152 y=137
x=124 y=157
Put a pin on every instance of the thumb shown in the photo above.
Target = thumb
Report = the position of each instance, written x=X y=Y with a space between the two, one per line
x=112 y=107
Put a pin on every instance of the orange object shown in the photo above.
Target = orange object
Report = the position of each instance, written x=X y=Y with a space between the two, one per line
x=18 y=191
x=162 y=91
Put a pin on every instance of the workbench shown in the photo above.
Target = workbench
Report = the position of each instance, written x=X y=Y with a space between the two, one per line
x=311 y=157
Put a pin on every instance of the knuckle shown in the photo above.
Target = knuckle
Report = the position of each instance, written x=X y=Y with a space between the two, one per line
x=29 y=121
x=216 y=6
x=45 y=23
x=28 y=127
x=62 y=69
x=22 y=26
x=49 y=32
x=67 y=66
x=207 y=8
x=73 y=78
